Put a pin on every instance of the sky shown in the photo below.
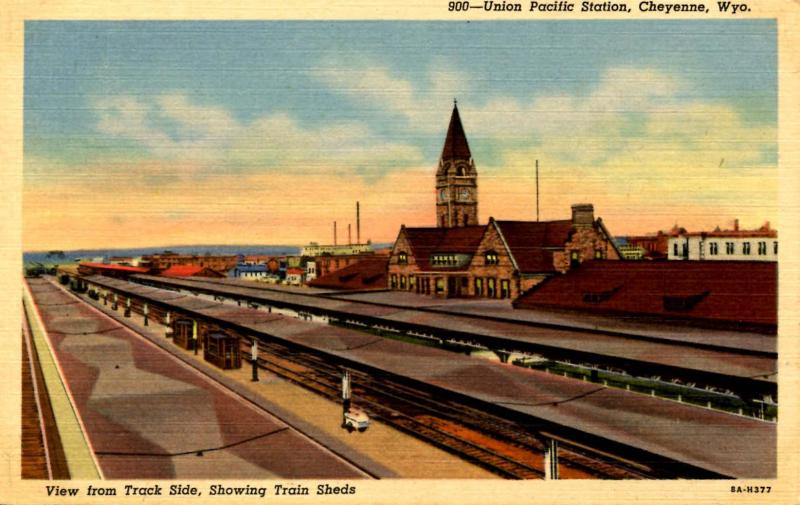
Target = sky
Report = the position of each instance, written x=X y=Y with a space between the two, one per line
x=162 y=133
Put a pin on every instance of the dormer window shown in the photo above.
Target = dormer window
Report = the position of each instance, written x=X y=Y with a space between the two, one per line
x=599 y=296
x=683 y=303
x=492 y=258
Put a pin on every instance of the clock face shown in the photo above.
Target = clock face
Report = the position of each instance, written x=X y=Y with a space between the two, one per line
x=464 y=194
x=442 y=195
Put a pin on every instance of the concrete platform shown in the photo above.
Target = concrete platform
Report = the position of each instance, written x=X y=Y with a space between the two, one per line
x=148 y=415
x=608 y=417
x=384 y=451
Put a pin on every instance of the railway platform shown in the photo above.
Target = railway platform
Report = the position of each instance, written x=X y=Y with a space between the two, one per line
x=144 y=414
x=630 y=425
x=381 y=453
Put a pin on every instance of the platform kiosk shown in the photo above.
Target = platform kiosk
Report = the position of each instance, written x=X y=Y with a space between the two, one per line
x=182 y=333
x=222 y=350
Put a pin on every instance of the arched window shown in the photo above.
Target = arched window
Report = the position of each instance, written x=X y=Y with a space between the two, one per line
x=460 y=171
x=492 y=258
x=402 y=258
x=466 y=219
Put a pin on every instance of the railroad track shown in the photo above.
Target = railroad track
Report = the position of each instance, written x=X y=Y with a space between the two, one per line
x=489 y=441
x=42 y=455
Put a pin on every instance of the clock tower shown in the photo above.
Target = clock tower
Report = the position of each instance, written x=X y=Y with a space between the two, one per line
x=456 y=179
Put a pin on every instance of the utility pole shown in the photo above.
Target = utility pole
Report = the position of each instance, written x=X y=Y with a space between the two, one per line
x=537 y=190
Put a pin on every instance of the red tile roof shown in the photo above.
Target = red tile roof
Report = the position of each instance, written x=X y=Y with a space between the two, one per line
x=117 y=268
x=737 y=292
x=366 y=274
x=529 y=242
x=190 y=271
x=426 y=241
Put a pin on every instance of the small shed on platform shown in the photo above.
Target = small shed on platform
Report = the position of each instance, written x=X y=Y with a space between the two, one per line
x=184 y=333
x=222 y=350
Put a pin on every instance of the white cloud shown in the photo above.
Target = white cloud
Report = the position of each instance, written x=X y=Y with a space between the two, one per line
x=424 y=109
x=172 y=127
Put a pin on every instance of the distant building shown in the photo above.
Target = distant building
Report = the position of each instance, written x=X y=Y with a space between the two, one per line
x=325 y=264
x=294 y=276
x=631 y=252
x=314 y=249
x=108 y=270
x=655 y=245
x=220 y=263
x=190 y=271
x=726 y=245
x=311 y=270
x=365 y=275
x=255 y=259
x=251 y=271
x=121 y=260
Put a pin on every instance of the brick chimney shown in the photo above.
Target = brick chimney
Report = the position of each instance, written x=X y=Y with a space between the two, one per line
x=735 y=225
x=583 y=214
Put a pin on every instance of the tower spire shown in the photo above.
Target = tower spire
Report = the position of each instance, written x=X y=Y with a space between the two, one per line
x=456 y=178
x=455 y=144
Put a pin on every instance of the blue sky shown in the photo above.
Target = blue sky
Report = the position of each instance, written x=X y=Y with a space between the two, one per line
x=165 y=103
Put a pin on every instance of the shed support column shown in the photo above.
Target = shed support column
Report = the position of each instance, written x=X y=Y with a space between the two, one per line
x=254 y=359
x=550 y=459
x=194 y=336
x=346 y=391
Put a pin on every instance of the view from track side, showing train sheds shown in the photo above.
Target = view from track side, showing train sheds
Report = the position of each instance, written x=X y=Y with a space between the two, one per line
x=499 y=416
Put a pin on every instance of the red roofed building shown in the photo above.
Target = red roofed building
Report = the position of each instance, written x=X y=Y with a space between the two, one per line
x=109 y=270
x=190 y=271
x=499 y=260
x=462 y=258
x=295 y=276
x=367 y=274
x=735 y=295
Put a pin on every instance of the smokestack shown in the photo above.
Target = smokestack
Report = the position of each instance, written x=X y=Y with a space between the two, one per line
x=334 y=233
x=735 y=225
x=358 y=223
x=349 y=236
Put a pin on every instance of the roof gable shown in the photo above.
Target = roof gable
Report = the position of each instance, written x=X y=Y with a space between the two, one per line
x=426 y=241
x=531 y=243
